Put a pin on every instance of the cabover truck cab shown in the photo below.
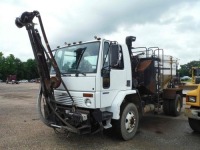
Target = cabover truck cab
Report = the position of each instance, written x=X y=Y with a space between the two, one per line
x=98 y=84
x=99 y=79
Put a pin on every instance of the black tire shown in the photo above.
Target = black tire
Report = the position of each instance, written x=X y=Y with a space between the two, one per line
x=194 y=124
x=166 y=108
x=41 y=109
x=126 y=127
x=176 y=105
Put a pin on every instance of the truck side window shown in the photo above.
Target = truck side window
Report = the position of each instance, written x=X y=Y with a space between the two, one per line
x=116 y=57
x=106 y=67
x=106 y=58
x=120 y=61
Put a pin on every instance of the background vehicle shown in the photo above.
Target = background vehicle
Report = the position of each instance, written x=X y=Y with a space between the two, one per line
x=32 y=80
x=193 y=109
x=194 y=83
x=11 y=79
x=185 y=78
x=97 y=85
x=23 y=81
x=192 y=89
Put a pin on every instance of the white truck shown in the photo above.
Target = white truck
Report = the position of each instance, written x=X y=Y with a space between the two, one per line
x=97 y=85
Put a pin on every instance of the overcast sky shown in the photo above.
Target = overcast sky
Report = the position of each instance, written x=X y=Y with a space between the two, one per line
x=173 y=25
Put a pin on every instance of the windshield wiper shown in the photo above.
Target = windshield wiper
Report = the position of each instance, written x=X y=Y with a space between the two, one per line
x=79 y=53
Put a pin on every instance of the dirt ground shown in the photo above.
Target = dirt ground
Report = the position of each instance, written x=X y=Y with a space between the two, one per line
x=20 y=128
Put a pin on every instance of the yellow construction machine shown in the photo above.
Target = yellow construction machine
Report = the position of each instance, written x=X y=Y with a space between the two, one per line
x=192 y=110
x=195 y=80
x=195 y=75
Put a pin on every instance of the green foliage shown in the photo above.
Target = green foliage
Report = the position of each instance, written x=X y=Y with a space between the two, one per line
x=185 y=70
x=14 y=66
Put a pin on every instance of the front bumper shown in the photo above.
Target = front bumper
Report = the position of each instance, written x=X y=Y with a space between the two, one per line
x=81 y=121
x=192 y=113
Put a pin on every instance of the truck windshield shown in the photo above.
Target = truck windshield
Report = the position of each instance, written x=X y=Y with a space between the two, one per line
x=81 y=58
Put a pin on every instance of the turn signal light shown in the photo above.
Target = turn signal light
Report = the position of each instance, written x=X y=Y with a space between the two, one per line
x=87 y=95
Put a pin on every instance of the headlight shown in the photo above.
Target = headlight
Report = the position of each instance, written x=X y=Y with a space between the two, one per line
x=88 y=102
x=192 y=99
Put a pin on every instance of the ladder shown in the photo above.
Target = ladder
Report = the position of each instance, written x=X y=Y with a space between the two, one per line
x=158 y=54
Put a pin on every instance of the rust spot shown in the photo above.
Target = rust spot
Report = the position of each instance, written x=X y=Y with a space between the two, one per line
x=143 y=65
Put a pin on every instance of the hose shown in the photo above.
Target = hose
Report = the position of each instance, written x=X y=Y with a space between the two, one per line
x=39 y=109
x=46 y=122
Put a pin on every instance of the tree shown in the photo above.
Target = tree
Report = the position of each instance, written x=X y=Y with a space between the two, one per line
x=14 y=66
x=10 y=64
x=2 y=60
x=185 y=70
x=19 y=69
x=31 y=69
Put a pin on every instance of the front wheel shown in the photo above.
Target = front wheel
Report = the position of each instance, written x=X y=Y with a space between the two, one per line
x=127 y=125
x=42 y=108
x=194 y=124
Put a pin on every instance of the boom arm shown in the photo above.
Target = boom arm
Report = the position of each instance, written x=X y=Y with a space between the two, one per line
x=39 y=50
x=41 y=56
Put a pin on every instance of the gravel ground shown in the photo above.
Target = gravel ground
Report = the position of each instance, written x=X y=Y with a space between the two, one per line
x=20 y=128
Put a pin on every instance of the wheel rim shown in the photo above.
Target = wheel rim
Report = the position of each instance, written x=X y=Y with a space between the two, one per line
x=178 y=106
x=130 y=121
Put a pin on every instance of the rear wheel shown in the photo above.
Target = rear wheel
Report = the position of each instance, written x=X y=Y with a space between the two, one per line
x=176 y=105
x=194 y=124
x=127 y=125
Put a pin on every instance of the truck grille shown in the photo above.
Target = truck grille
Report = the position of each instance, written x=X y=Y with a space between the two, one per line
x=64 y=99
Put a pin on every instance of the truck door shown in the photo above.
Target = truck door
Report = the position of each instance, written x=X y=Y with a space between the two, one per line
x=113 y=74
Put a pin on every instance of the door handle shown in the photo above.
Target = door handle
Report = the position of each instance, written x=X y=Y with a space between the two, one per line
x=105 y=92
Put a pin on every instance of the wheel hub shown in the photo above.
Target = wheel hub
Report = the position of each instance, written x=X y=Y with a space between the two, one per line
x=130 y=121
